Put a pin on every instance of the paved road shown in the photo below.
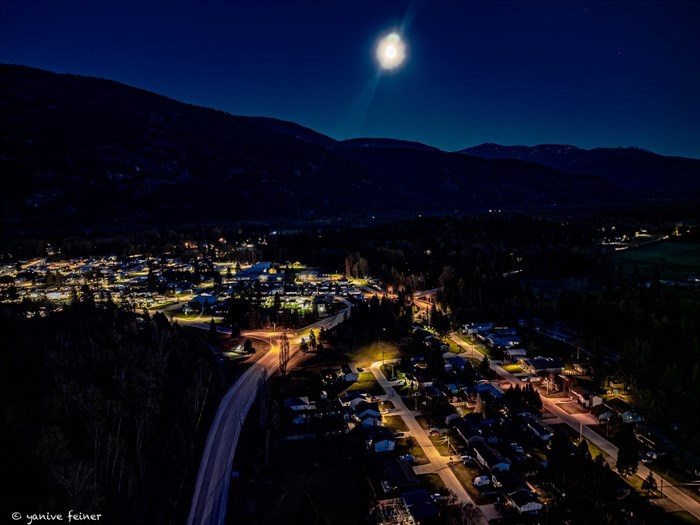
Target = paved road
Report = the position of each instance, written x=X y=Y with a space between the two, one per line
x=438 y=464
x=580 y=421
x=209 y=501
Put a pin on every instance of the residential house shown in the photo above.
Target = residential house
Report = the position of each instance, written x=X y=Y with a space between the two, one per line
x=350 y=373
x=368 y=414
x=585 y=397
x=538 y=428
x=380 y=439
x=488 y=457
x=400 y=475
x=525 y=502
x=353 y=397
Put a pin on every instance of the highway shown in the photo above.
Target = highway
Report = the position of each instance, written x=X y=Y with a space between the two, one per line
x=580 y=421
x=209 y=502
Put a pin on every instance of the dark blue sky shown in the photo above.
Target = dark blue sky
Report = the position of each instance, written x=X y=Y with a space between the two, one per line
x=596 y=73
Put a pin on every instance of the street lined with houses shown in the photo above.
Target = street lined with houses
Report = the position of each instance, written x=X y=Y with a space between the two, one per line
x=580 y=422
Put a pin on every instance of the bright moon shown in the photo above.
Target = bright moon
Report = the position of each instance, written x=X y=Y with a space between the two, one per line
x=391 y=51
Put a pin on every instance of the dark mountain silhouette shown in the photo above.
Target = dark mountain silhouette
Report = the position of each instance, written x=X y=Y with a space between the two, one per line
x=633 y=169
x=87 y=153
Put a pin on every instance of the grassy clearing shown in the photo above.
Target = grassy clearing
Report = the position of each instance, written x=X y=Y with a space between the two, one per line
x=395 y=423
x=675 y=260
x=365 y=355
x=454 y=347
x=367 y=382
x=433 y=482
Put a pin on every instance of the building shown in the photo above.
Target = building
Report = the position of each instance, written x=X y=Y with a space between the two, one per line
x=525 y=502
x=488 y=457
x=380 y=439
x=537 y=365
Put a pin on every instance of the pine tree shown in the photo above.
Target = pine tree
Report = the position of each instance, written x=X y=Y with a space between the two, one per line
x=628 y=451
x=649 y=483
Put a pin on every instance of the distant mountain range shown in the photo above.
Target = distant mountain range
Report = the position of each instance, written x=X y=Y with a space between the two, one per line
x=82 y=153
x=632 y=169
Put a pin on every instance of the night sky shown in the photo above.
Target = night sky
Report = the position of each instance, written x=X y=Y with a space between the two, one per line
x=595 y=73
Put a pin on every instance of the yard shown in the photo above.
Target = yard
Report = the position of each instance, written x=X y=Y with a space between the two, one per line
x=395 y=423
x=368 y=383
x=466 y=476
x=410 y=446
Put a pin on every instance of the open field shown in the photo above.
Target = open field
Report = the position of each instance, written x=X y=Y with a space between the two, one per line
x=365 y=355
x=675 y=260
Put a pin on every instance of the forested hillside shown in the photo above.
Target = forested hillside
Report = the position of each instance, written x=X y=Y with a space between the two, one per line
x=102 y=411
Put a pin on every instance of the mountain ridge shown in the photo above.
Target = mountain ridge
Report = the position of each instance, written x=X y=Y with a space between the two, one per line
x=85 y=152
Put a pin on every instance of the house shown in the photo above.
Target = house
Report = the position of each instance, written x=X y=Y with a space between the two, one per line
x=419 y=505
x=460 y=363
x=380 y=439
x=353 y=397
x=624 y=410
x=537 y=365
x=585 y=397
x=538 y=428
x=350 y=372
x=488 y=457
x=370 y=421
x=515 y=353
x=400 y=475
x=298 y=404
x=489 y=391
x=524 y=501
x=363 y=408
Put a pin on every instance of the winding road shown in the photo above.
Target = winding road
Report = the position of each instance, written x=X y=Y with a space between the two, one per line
x=209 y=502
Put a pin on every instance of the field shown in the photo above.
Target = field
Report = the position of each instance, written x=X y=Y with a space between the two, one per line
x=365 y=355
x=676 y=261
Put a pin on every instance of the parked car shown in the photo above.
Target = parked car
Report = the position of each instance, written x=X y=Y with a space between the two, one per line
x=399 y=434
x=407 y=457
x=434 y=433
x=481 y=481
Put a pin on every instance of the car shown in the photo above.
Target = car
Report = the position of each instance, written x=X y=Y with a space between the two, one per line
x=399 y=434
x=466 y=458
x=481 y=481
x=407 y=457
x=436 y=497
x=434 y=433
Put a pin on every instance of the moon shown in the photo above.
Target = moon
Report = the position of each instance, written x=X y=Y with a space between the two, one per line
x=391 y=51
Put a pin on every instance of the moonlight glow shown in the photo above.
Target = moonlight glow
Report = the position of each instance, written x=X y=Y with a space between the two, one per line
x=391 y=51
